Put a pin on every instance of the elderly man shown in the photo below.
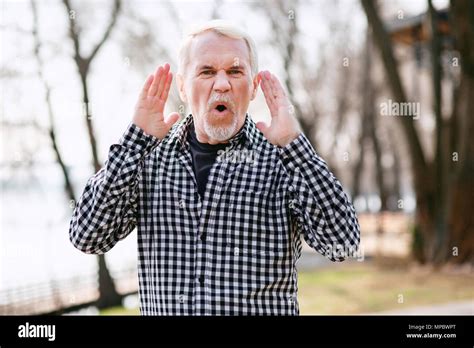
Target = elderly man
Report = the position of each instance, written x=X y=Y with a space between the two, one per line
x=219 y=202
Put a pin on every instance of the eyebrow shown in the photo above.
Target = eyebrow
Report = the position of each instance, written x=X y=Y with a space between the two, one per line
x=205 y=67
x=210 y=67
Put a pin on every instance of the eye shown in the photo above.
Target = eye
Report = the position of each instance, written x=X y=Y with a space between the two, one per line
x=207 y=72
x=235 y=72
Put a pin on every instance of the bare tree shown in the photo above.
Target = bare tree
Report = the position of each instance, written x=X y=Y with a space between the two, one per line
x=108 y=294
x=366 y=116
x=139 y=35
x=396 y=170
x=52 y=127
x=307 y=80
x=283 y=21
x=461 y=181
x=437 y=194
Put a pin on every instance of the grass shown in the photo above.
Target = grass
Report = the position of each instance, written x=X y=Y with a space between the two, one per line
x=357 y=288
x=120 y=311
x=367 y=287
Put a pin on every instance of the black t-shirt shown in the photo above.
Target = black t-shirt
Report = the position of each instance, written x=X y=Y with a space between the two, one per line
x=204 y=155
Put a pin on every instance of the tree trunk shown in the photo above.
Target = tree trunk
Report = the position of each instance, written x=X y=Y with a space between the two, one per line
x=108 y=295
x=430 y=244
x=439 y=244
x=359 y=166
x=396 y=188
x=461 y=179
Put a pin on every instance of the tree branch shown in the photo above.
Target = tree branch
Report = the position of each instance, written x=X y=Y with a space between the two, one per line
x=113 y=20
x=73 y=33
x=84 y=62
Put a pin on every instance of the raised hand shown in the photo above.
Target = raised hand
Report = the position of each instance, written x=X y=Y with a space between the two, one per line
x=151 y=103
x=284 y=127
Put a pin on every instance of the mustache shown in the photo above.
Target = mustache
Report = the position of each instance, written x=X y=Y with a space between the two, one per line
x=225 y=98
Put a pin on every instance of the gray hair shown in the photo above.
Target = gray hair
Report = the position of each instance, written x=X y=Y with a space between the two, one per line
x=220 y=27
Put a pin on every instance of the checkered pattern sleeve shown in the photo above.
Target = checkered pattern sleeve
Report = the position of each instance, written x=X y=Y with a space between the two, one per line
x=106 y=211
x=323 y=212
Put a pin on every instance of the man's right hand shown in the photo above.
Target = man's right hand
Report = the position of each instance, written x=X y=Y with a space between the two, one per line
x=151 y=103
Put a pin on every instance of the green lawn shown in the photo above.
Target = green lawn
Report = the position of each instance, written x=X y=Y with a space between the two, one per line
x=365 y=287
x=120 y=311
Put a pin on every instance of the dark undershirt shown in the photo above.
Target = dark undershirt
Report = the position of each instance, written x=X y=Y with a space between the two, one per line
x=204 y=155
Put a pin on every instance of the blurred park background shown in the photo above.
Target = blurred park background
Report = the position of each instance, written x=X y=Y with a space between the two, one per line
x=383 y=89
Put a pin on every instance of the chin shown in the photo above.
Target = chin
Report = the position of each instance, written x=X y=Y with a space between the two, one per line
x=220 y=128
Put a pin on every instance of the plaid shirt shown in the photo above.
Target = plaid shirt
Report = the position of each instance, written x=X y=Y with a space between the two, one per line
x=232 y=252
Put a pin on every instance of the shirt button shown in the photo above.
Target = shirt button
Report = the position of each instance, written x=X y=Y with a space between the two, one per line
x=181 y=298
x=203 y=236
x=181 y=203
x=201 y=279
x=236 y=251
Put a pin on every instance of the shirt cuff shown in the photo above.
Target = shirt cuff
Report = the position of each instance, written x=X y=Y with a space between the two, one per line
x=298 y=152
x=136 y=140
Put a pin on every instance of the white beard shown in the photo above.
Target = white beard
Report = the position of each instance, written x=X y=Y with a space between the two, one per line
x=221 y=133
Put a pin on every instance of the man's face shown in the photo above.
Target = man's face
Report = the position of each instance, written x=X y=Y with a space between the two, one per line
x=218 y=85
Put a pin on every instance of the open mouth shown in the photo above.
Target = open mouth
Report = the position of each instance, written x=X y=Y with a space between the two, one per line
x=221 y=107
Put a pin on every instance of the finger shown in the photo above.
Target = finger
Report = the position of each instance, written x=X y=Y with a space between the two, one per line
x=171 y=119
x=271 y=87
x=277 y=88
x=269 y=100
x=166 y=89
x=268 y=78
x=262 y=127
x=265 y=86
x=154 y=86
x=163 y=78
x=146 y=86
x=268 y=94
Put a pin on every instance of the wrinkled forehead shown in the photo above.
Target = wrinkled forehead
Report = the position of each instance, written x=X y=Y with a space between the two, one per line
x=219 y=51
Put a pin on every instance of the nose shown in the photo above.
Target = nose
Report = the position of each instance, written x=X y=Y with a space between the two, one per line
x=221 y=84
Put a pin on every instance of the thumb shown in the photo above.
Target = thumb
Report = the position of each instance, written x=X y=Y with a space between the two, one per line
x=171 y=119
x=262 y=127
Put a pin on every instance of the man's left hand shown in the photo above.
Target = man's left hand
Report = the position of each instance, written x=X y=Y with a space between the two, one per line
x=284 y=127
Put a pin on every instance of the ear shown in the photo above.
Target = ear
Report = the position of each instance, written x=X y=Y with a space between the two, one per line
x=255 y=83
x=181 y=89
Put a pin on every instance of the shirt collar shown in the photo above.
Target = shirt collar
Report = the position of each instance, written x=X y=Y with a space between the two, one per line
x=247 y=134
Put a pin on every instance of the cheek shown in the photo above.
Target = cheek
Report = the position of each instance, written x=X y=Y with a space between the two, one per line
x=245 y=93
x=200 y=93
